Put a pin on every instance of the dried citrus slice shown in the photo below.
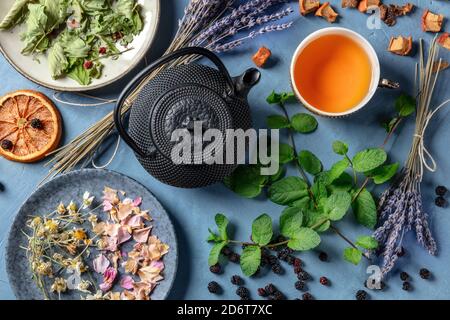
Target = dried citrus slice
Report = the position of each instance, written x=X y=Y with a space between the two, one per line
x=30 y=126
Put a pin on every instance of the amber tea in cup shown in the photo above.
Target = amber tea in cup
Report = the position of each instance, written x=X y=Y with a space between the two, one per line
x=335 y=72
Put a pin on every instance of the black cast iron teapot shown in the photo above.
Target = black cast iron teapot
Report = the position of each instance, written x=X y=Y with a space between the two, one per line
x=181 y=97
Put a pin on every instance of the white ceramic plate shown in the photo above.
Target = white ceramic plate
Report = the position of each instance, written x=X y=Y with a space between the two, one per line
x=10 y=46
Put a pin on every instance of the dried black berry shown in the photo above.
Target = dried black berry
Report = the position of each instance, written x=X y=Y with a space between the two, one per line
x=324 y=281
x=262 y=292
x=7 y=144
x=303 y=276
x=243 y=292
x=425 y=273
x=236 y=280
x=276 y=268
x=226 y=251
x=361 y=295
x=404 y=276
x=270 y=288
x=234 y=257
x=215 y=268
x=213 y=287
x=406 y=286
x=297 y=270
x=307 y=296
x=441 y=191
x=297 y=262
x=279 y=296
x=36 y=123
x=245 y=298
x=283 y=254
x=272 y=260
x=290 y=260
x=300 y=285
x=440 y=202
x=323 y=256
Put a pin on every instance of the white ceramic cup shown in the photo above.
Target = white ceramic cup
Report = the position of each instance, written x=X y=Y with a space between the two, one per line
x=372 y=55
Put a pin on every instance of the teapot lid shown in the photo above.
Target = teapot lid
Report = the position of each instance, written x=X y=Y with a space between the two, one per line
x=190 y=108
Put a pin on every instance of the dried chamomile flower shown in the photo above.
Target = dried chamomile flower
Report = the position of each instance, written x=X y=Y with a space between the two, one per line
x=58 y=257
x=93 y=219
x=35 y=222
x=59 y=285
x=61 y=209
x=51 y=226
x=87 y=199
x=44 y=268
x=97 y=296
x=79 y=234
x=72 y=207
x=84 y=286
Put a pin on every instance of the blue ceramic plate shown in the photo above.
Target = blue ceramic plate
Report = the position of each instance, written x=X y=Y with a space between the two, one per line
x=69 y=187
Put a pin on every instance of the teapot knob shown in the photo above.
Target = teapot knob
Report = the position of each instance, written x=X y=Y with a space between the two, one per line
x=246 y=81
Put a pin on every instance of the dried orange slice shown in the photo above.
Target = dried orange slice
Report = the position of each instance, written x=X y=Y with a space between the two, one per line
x=30 y=126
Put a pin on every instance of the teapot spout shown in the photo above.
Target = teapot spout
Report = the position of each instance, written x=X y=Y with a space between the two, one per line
x=246 y=81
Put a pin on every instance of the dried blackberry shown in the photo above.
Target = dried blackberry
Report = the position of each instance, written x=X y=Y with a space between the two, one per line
x=361 y=295
x=262 y=292
x=213 y=287
x=234 y=257
x=324 y=281
x=425 y=273
x=243 y=292
x=297 y=270
x=404 y=276
x=270 y=288
x=406 y=286
x=215 y=268
x=245 y=298
x=226 y=251
x=300 y=285
x=441 y=191
x=303 y=276
x=36 y=123
x=323 y=256
x=440 y=202
x=283 y=254
x=276 y=268
x=272 y=260
x=290 y=260
x=7 y=144
x=297 y=262
x=236 y=280
x=307 y=296
x=279 y=296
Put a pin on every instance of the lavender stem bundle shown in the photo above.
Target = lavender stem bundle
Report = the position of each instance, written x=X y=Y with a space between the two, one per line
x=211 y=24
x=400 y=206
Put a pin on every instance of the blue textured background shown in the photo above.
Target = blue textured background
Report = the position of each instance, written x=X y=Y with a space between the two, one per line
x=193 y=210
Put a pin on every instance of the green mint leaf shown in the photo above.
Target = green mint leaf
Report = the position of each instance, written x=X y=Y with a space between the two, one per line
x=277 y=176
x=273 y=98
x=353 y=255
x=319 y=187
x=405 y=105
x=367 y=242
x=389 y=125
x=222 y=224
x=337 y=205
x=250 y=260
x=316 y=220
x=369 y=159
x=287 y=190
x=277 y=122
x=262 y=231
x=304 y=203
x=287 y=153
x=365 y=209
x=309 y=162
x=287 y=97
x=337 y=170
x=340 y=148
x=214 y=254
x=304 y=239
x=343 y=183
x=246 y=181
x=291 y=220
x=304 y=123
x=213 y=237
x=384 y=173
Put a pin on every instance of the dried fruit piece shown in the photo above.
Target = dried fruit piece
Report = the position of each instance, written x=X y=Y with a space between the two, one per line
x=350 y=3
x=407 y=8
x=260 y=58
x=432 y=22
x=444 y=40
x=308 y=6
x=440 y=65
x=17 y=110
x=367 y=4
x=400 y=45
x=327 y=12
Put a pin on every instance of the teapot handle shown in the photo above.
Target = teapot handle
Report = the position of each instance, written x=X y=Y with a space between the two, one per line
x=156 y=64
